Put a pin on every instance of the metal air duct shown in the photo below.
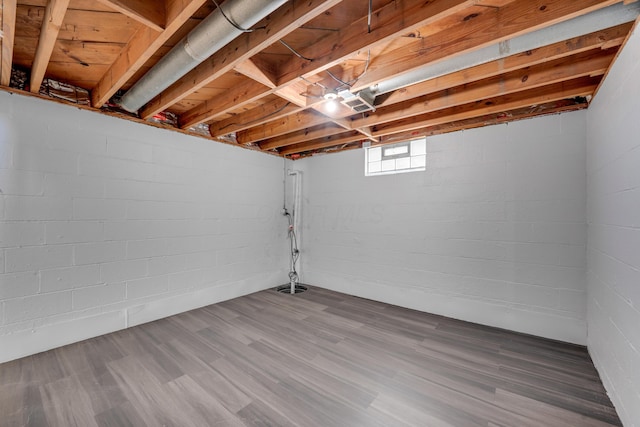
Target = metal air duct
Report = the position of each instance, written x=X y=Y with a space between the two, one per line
x=213 y=33
x=591 y=22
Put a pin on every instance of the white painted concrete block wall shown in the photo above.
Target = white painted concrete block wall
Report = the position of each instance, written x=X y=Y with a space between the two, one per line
x=493 y=232
x=613 y=209
x=107 y=224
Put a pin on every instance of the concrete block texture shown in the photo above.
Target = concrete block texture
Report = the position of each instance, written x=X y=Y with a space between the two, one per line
x=101 y=218
x=494 y=231
x=613 y=212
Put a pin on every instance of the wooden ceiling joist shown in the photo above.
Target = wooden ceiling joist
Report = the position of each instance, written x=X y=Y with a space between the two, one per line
x=325 y=142
x=439 y=65
x=391 y=21
x=528 y=78
x=302 y=135
x=583 y=64
x=312 y=147
x=7 y=27
x=579 y=87
x=491 y=27
x=53 y=17
x=257 y=71
x=301 y=94
x=487 y=119
x=145 y=42
x=516 y=81
x=146 y=12
x=505 y=31
x=283 y=21
x=272 y=110
x=207 y=71
x=291 y=123
x=236 y=98
x=608 y=38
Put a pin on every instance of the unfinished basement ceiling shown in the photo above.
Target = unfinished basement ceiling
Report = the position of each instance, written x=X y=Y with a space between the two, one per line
x=484 y=61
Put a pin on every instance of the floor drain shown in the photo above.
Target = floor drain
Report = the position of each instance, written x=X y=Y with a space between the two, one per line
x=286 y=289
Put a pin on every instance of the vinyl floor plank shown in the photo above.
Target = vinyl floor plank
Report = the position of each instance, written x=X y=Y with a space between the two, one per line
x=319 y=358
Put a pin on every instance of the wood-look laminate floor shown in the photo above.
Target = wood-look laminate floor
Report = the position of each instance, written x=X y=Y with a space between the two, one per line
x=319 y=358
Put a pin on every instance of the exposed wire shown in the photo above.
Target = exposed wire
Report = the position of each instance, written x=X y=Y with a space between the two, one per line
x=353 y=81
x=295 y=52
x=316 y=83
x=293 y=248
x=336 y=78
x=369 y=16
x=236 y=26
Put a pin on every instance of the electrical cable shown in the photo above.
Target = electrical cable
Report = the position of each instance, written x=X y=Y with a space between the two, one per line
x=369 y=16
x=295 y=52
x=236 y=26
x=336 y=78
x=293 y=249
x=353 y=81
x=315 y=83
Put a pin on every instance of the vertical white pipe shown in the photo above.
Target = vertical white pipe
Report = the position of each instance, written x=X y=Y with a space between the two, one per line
x=297 y=197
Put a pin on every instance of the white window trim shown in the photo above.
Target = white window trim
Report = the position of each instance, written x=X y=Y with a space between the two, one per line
x=394 y=157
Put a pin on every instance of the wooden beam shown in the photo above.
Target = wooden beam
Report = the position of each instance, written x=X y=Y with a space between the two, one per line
x=299 y=94
x=295 y=98
x=53 y=17
x=329 y=141
x=257 y=71
x=611 y=37
x=583 y=64
x=488 y=119
x=579 y=87
x=393 y=20
x=283 y=21
x=8 y=29
x=272 y=110
x=497 y=24
x=288 y=124
x=146 y=12
x=300 y=136
x=636 y=23
x=144 y=43
x=233 y=99
x=335 y=42
x=242 y=95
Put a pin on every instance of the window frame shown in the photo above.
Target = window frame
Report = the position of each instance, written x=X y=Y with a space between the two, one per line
x=409 y=154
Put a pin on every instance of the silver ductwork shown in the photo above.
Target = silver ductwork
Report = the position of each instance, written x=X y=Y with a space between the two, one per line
x=595 y=21
x=213 y=33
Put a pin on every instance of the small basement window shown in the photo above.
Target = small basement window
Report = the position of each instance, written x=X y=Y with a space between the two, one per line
x=407 y=156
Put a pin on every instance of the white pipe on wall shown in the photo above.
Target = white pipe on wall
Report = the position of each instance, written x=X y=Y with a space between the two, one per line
x=297 y=197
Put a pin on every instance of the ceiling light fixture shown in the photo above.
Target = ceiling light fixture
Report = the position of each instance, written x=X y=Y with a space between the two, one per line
x=332 y=102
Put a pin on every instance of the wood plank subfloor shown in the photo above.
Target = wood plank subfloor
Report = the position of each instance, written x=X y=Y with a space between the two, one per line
x=319 y=358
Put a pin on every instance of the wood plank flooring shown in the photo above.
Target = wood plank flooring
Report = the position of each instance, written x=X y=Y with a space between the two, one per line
x=319 y=358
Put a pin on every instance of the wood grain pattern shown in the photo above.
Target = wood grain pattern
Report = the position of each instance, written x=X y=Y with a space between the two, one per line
x=51 y=23
x=319 y=358
x=8 y=30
